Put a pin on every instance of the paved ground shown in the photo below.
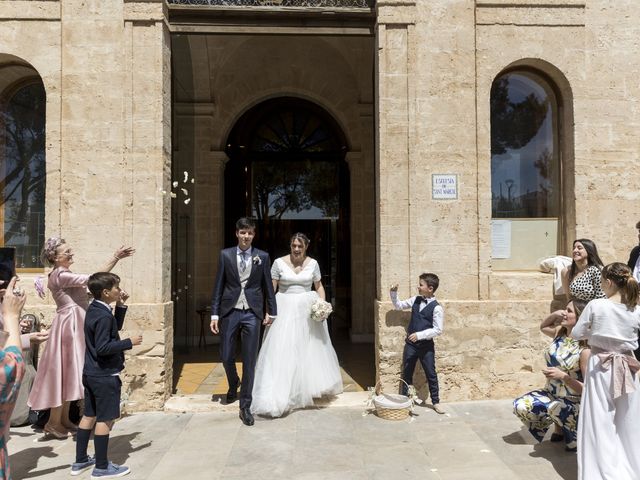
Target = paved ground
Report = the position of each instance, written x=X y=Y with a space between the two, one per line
x=475 y=440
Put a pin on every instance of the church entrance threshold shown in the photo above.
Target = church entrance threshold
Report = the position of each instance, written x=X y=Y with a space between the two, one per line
x=200 y=371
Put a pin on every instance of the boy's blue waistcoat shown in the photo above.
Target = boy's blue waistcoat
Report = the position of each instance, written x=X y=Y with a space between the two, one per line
x=421 y=320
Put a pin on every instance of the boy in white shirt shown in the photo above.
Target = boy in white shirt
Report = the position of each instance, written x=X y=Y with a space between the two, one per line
x=427 y=320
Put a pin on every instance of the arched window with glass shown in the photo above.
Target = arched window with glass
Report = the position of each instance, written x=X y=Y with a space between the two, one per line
x=525 y=170
x=22 y=172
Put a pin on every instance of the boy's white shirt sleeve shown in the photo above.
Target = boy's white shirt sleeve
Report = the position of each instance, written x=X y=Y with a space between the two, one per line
x=438 y=325
x=438 y=316
x=582 y=329
x=401 y=304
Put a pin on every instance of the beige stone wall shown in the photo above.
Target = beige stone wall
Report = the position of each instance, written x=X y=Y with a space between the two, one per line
x=436 y=63
x=106 y=71
x=105 y=67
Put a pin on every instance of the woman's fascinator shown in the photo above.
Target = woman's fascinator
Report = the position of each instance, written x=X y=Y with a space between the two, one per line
x=49 y=250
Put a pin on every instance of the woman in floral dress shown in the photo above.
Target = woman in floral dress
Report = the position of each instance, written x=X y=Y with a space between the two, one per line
x=559 y=401
x=11 y=365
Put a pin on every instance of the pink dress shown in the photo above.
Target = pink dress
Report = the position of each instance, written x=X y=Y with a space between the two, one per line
x=11 y=371
x=59 y=375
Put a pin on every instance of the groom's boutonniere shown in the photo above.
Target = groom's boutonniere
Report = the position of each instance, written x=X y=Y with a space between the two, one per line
x=257 y=260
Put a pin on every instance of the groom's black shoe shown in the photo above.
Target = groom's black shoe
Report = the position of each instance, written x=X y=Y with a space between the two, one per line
x=246 y=417
x=232 y=395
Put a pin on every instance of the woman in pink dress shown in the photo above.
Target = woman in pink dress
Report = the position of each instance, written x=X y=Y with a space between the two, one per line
x=11 y=365
x=59 y=377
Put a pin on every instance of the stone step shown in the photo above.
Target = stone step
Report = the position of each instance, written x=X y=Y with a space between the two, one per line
x=198 y=403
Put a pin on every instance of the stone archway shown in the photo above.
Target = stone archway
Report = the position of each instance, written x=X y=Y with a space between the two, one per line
x=217 y=81
x=287 y=169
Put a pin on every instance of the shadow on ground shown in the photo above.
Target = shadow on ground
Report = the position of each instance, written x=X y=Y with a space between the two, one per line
x=121 y=447
x=24 y=463
x=563 y=462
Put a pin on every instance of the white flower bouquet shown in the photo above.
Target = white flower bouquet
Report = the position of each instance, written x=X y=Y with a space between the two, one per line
x=320 y=310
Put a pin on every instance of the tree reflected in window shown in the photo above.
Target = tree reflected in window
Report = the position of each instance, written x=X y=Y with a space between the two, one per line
x=22 y=173
x=300 y=184
x=301 y=189
x=525 y=166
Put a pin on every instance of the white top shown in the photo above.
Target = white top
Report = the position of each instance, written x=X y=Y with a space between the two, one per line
x=608 y=325
x=438 y=314
x=291 y=282
x=555 y=265
x=636 y=269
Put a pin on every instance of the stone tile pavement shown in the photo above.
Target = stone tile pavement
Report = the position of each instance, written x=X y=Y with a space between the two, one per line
x=475 y=440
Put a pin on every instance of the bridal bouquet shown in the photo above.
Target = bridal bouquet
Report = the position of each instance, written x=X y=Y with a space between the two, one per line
x=320 y=310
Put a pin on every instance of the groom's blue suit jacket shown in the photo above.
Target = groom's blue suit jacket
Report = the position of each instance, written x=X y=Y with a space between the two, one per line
x=259 y=286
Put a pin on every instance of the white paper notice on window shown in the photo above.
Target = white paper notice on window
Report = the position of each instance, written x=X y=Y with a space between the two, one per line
x=501 y=238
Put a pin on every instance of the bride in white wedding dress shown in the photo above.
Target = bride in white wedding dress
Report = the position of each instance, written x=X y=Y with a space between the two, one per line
x=297 y=362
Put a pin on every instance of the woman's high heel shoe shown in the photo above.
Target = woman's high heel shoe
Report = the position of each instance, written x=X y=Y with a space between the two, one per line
x=52 y=432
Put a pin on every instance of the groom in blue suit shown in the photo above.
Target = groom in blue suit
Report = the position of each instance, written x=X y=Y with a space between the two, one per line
x=243 y=284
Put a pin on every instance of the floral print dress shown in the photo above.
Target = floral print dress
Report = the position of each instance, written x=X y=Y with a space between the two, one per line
x=11 y=371
x=556 y=403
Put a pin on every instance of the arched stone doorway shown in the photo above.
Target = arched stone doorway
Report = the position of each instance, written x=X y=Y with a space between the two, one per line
x=287 y=169
x=334 y=86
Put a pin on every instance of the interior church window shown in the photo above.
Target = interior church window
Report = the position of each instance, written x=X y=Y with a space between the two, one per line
x=525 y=170
x=22 y=173
x=301 y=186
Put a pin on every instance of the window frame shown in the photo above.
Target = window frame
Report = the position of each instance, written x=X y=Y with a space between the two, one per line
x=560 y=146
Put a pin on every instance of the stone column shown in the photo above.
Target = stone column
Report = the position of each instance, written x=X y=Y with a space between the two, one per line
x=195 y=223
x=362 y=245
x=208 y=217
x=144 y=103
x=394 y=102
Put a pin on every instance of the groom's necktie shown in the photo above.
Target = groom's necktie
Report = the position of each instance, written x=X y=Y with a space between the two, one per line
x=243 y=262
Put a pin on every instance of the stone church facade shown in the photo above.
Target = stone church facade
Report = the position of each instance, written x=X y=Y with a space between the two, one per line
x=467 y=138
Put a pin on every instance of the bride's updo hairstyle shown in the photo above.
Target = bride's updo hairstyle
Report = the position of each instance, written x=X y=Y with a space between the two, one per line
x=50 y=250
x=302 y=237
x=620 y=275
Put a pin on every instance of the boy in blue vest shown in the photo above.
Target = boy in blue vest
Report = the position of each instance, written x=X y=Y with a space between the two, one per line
x=427 y=320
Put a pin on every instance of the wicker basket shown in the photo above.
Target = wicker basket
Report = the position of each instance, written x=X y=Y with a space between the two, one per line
x=391 y=406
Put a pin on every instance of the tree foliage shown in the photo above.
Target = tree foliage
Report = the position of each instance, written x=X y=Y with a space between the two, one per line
x=513 y=125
